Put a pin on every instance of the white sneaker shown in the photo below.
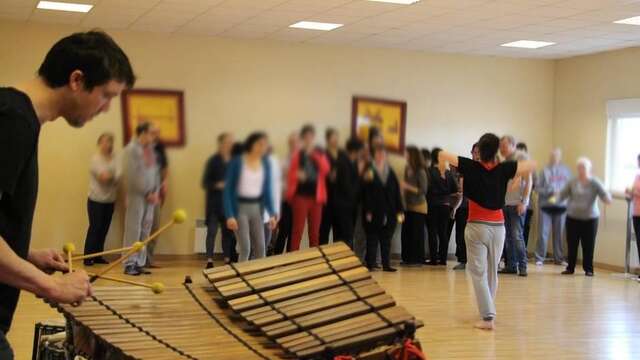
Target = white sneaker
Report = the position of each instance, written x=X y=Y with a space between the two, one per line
x=539 y=263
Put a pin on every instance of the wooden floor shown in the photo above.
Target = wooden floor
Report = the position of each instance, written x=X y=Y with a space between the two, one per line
x=544 y=316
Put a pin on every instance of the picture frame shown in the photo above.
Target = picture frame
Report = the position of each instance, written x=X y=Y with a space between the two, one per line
x=162 y=108
x=389 y=116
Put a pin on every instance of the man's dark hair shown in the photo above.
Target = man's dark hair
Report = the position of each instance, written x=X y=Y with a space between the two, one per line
x=329 y=133
x=94 y=53
x=354 y=144
x=252 y=139
x=522 y=147
x=489 y=144
x=237 y=149
x=435 y=152
x=307 y=129
x=426 y=154
x=143 y=128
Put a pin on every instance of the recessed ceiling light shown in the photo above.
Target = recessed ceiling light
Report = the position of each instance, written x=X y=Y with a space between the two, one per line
x=64 y=6
x=630 y=21
x=528 y=44
x=312 y=25
x=403 y=2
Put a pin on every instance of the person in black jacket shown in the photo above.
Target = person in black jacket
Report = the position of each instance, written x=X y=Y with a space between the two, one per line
x=381 y=207
x=213 y=184
x=341 y=194
x=441 y=186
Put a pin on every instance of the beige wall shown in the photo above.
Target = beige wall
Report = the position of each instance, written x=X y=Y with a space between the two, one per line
x=241 y=85
x=583 y=86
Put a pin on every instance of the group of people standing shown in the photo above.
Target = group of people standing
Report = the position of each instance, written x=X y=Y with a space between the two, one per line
x=143 y=171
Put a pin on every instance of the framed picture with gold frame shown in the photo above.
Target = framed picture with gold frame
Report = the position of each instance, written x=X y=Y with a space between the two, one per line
x=389 y=116
x=162 y=108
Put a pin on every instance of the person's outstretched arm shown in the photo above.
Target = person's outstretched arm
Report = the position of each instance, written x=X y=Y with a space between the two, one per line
x=23 y=274
x=525 y=168
x=447 y=157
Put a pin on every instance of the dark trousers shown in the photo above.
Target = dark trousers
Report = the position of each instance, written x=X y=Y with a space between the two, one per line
x=283 y=239
x=215 y=221
x=379 y=236
x=581 y=231
x=440 y=217
x=527 y=225
x=461 y=223
x=6 y=353
x=636 y=228
x=412 y=238
x=100 y=215
x=340 y=220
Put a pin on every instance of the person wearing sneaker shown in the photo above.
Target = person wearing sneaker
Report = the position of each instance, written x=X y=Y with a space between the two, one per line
x=485 y=185
x=143 y=185
x=516 y=203
x=381 y=207
x=213 y=184
x=442 y=186
x=582 y=193
x=551 y=180
x=461 y=216
x=104 y=174
x=414 y=187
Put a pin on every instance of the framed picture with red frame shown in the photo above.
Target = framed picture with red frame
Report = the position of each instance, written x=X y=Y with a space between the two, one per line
x=162 y=108
x=388 y=116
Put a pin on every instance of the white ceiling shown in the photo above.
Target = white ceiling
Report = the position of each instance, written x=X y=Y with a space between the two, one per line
x=454 y=26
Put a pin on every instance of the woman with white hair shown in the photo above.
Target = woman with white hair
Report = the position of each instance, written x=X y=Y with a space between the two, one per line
x=582 y=215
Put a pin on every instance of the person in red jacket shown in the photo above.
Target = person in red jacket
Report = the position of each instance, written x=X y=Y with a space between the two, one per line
x=306 y=188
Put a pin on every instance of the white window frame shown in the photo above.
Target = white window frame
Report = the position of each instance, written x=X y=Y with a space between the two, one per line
x=617 y=109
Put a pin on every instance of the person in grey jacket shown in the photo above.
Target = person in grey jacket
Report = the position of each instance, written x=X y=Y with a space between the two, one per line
x=582 y=215
x=143 y=185
x=551 y=180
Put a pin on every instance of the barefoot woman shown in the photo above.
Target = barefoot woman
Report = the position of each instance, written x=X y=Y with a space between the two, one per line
x=485 y=184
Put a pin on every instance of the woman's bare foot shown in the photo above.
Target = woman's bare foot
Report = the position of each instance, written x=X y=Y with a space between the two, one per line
x=485 y=325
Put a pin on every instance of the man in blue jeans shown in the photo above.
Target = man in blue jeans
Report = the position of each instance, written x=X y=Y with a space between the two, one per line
x=516 y=202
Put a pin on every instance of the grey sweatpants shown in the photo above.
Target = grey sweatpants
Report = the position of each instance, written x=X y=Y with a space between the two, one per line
x=484 y=250
x=554 y=223
x=250 y=231
x=138 y=222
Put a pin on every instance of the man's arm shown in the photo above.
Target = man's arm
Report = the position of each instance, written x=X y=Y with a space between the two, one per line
x=21 y=274
x=447 y=157
x=524 y=169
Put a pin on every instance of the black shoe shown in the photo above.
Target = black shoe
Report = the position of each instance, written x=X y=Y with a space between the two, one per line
x=371 y=268
x=523 y=273
x=508 y=272
x=131 y=270
x=209 y=265
x=460 y=266
x=88 y=262
x=143 y=271
x=431 y=263
x=389 y=269
x=100 y=260
x=443 y=263
x=588 y=273
x=567 y=272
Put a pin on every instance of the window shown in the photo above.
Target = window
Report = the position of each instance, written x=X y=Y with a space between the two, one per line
x=623 y=143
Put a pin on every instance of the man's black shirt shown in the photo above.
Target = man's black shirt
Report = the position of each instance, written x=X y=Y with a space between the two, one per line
x=19 y=131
